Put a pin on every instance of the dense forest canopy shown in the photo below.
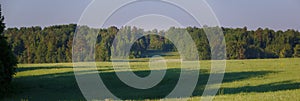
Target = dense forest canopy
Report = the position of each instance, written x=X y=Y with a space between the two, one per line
x=54 y=44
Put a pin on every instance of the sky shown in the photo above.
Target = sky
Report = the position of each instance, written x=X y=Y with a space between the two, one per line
x=274 y=14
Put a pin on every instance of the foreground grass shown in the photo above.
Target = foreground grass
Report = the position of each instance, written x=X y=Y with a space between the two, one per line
x=270 y=79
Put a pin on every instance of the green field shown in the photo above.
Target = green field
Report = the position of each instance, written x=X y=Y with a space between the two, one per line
x=259 y=79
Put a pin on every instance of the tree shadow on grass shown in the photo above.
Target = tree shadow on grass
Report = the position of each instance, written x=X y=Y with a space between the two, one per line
x=271 y=87
x=58 y=86
x=63 y=86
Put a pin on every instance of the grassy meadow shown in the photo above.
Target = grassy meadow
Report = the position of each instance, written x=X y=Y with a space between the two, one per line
x=244 y=80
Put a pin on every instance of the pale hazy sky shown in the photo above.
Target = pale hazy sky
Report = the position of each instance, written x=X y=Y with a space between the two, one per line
x=275 y=14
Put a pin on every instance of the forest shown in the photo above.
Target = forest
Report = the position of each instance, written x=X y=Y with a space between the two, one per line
x=53 y=44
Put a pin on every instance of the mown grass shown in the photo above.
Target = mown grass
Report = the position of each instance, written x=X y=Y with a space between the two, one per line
x=258 y=79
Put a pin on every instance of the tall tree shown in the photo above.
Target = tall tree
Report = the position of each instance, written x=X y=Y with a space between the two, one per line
x=8 y=61
x=297 y=51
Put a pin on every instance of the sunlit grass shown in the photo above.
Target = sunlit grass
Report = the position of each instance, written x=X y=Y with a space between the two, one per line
x=258 y=79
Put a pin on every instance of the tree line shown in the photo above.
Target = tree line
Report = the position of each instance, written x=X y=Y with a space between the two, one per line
x=54 y=44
